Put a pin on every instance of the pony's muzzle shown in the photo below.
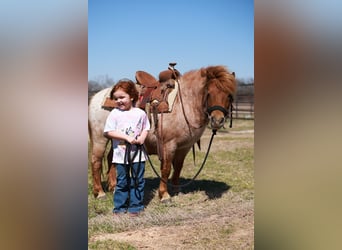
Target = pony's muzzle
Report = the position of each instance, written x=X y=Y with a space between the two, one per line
x=217 y=122
x=217 y=116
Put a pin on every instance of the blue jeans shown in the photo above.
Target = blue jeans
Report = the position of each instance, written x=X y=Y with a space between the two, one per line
x=129 y=190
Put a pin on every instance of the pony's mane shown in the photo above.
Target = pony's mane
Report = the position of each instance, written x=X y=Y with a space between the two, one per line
x=220 y=76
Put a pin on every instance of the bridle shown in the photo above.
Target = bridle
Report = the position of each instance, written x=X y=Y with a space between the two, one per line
x=224 y=110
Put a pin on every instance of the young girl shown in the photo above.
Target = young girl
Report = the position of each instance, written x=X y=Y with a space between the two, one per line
x=127 y=126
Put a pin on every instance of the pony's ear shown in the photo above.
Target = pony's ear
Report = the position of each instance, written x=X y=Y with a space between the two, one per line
x=233 y=73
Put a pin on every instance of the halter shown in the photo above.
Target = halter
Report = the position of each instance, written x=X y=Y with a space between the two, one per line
x=224 y=110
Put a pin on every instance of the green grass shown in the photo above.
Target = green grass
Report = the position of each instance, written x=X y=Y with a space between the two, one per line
x=225 y=187
x=110 y=245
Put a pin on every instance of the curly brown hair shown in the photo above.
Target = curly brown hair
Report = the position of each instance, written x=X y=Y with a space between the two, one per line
x=127 y=86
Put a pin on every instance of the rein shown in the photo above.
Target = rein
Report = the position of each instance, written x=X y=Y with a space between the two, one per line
x=195 y=176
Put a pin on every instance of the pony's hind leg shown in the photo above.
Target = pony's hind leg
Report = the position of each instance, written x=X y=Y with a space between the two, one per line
x=96 y=163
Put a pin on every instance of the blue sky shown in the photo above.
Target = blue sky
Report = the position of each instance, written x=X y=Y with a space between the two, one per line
x=129 y=35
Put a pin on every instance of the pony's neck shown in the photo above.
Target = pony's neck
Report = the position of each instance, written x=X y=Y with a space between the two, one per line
x=193 y=94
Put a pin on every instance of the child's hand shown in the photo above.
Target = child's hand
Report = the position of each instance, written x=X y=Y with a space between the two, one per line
x=130 y=140
x=138 y=140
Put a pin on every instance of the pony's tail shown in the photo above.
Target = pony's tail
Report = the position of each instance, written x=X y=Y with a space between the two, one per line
x=90 y=135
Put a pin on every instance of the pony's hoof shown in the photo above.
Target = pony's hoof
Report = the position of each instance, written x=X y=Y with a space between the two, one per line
x=101 y=195
x=166 y=199
x=111 y=188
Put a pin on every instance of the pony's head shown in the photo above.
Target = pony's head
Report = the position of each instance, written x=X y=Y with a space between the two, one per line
x=221 y=87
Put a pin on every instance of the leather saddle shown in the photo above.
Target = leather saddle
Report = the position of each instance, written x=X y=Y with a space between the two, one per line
x=156 y=92
x=152 y=91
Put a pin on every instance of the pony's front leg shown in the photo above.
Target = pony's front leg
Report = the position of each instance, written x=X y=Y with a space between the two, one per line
x=165 y=173
x=111 y=181
x=178 y=162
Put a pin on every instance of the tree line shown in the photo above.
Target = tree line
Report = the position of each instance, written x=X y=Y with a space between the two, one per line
x=244 y=86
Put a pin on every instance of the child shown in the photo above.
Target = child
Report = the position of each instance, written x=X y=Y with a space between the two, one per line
x=127 y=126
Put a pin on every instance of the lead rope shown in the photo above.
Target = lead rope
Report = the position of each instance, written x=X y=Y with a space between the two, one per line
x=193 y=178
x=129 y=160
x=231 y=99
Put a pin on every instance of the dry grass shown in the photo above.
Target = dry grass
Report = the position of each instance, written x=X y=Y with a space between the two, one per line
x=216 y=211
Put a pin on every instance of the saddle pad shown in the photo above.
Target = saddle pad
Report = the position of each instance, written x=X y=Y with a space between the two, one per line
x=172 y=96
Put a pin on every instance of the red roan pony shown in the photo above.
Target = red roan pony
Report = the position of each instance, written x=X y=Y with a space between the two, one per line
x=203 y=97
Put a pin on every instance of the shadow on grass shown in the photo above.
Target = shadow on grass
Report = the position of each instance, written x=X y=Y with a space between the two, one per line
x=213 y=189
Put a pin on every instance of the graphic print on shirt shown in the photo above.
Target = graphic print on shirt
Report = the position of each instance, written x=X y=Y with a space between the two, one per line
x=139 y=127
x=129 y=131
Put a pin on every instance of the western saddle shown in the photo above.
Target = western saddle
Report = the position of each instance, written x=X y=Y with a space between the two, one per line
x=159 y=94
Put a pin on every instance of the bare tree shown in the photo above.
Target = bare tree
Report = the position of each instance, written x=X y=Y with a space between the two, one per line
x=98 y=84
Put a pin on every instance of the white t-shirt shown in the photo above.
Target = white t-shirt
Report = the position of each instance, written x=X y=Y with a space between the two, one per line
x=131 y=122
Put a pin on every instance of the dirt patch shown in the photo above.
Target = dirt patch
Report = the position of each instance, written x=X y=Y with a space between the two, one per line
x=229 y=228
